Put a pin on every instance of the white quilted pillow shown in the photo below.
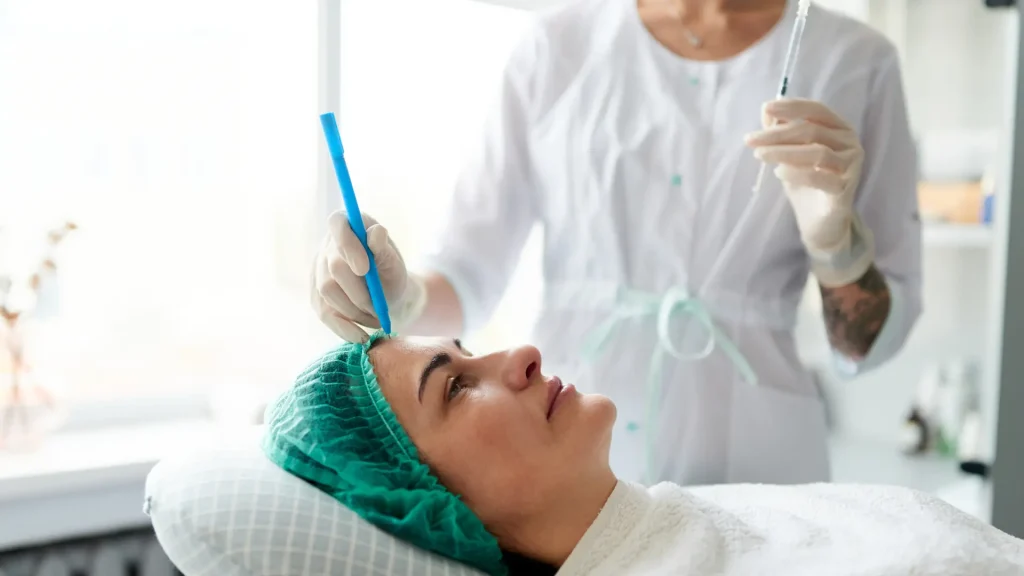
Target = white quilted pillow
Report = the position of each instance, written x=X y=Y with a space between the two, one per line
x=232 y=512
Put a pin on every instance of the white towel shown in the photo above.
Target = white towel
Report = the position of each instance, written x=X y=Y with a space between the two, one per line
x=833 y=529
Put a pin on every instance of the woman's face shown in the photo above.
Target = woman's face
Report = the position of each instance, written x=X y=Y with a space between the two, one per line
x=494 y=428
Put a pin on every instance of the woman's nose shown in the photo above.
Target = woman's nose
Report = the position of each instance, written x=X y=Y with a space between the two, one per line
x=522 y=367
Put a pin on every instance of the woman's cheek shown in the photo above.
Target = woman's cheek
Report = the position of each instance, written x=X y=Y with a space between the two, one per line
x=504 y=419
x=487 y=427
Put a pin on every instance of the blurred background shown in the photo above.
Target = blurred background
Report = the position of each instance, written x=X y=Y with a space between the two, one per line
x=162 y=191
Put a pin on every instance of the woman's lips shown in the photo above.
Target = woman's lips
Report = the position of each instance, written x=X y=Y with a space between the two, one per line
x=554 y=389
x=557 y=393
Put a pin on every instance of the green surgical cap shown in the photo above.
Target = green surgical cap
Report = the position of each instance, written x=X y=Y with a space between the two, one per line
x=335 y=429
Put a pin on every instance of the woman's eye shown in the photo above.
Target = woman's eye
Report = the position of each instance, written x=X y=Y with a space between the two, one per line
x=455 y=387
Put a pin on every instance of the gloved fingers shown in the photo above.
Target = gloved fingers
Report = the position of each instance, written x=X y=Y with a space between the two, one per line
x=344 y=328
x=346 y=263
x=337 y=323
x=795 y=178
x=349 y=295
x=342 y=289
x=801 y=132
x=793 y=109
x=347 y=241
x=811 y=156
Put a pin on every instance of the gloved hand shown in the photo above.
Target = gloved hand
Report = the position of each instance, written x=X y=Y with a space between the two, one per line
x=819 y=159
x=339 y=294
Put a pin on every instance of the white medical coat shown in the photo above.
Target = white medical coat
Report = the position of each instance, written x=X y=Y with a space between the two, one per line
x=632 y=159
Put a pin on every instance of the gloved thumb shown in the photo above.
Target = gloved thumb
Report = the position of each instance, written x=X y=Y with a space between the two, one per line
x=385 y=254
x=377 y=241
x=389 y=262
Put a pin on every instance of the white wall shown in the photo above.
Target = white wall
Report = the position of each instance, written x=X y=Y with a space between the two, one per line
x=954 y=62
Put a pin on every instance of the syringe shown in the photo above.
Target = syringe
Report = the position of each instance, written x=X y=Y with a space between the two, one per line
x=787 y=70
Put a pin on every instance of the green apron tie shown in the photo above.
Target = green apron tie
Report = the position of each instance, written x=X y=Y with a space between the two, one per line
x=631 y=304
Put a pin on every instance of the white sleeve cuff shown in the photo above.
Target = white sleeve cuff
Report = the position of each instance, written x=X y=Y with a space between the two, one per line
x=472 y=317
x=848 y=264
x=888 y=342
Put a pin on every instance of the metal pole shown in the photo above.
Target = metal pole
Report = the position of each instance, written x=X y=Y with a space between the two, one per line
x=328 y=100
x=1008 y=466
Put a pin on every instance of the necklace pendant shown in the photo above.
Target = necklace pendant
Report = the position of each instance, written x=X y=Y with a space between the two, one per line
x=693 y=39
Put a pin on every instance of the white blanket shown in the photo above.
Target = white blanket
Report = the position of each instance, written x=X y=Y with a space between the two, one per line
x=831 y=529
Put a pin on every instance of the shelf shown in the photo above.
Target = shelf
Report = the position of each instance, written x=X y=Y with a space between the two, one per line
x=957 y=235
x=874 y=462
x=864 y=461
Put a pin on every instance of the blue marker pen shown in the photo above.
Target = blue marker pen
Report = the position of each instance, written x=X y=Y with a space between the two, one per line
x=355 y=217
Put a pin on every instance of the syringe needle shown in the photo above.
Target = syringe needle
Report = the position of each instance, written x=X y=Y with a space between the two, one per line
x=787 y=69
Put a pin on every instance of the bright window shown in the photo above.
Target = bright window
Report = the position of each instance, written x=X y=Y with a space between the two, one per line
x=182 y=139
x=417 y=81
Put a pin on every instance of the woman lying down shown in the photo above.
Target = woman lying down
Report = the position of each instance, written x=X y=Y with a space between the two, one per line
x=486 y=460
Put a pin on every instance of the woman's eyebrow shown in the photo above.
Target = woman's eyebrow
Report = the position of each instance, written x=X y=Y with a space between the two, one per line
x=440 y=359
x=460 y=348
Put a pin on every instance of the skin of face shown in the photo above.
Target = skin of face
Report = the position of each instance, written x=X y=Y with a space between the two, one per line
x=484 y=425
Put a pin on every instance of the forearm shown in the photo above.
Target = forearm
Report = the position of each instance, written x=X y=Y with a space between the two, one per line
x=855 y=314
x=442 y=311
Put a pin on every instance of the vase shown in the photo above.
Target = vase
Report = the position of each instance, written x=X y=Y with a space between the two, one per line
x=29 y=411
x=28 y=416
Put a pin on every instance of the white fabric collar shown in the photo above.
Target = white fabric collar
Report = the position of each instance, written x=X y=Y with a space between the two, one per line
x=625 y=509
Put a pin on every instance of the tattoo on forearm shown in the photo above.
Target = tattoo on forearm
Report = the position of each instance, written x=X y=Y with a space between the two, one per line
x=854 y=314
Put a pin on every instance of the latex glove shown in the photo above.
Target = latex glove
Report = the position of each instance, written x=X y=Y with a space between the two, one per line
x=339 y=294
x=819 y=159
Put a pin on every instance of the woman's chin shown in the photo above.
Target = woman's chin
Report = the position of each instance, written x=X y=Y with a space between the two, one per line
x=599 y=410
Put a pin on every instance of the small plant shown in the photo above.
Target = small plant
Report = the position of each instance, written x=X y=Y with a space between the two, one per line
x=24 y=402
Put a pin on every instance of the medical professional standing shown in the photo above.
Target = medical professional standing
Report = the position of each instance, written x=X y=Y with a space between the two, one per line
x=633 y=131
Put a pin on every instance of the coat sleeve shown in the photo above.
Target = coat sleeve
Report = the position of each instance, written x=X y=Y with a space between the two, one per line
x=888 y=205
x=493 y=208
